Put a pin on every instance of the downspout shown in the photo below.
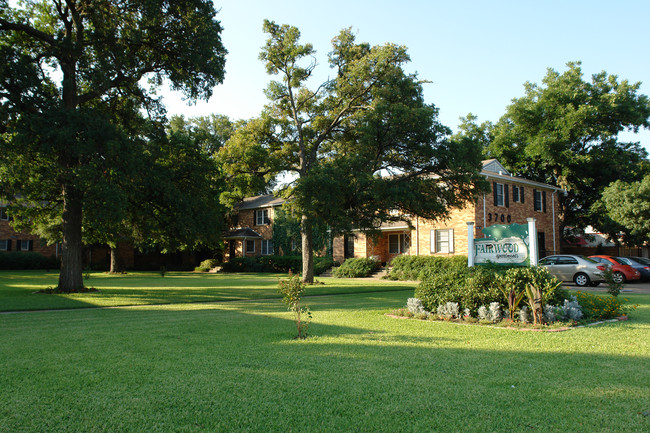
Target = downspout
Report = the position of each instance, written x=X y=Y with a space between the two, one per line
x=484 y=211
x=553 y=212
x=417 y=235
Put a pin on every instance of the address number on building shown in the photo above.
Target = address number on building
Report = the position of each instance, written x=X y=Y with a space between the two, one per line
x=499 y=217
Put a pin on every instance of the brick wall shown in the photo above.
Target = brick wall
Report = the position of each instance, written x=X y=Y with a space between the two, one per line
x=483 y=213
x=487 y=214
x=36 y=244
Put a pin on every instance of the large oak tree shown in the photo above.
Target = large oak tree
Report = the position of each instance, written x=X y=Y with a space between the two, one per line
x=64 y=66
x=565 y=132
x=363 y=146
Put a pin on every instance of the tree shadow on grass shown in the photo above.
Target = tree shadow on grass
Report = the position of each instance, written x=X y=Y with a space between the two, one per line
x=236 y=367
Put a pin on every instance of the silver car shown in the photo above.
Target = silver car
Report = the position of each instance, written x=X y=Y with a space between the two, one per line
x=581 y=270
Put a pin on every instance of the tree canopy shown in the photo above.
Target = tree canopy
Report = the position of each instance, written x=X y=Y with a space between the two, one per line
x=565 y=132
x=71 y=93
x=628 y=204
x=359 y=145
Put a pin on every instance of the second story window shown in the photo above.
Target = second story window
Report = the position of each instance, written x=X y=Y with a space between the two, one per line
x=518 y=194
x=3 y=214
x=540 y=200
x=500 y=194
x=262 y=217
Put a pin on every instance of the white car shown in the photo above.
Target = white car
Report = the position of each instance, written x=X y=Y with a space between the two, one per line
x=580 y=269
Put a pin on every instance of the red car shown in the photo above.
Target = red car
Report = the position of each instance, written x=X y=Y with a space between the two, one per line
x=622 y=272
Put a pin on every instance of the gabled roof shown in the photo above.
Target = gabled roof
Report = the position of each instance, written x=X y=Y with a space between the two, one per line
x=494 y=166
x=493 y=169
x=260 y=201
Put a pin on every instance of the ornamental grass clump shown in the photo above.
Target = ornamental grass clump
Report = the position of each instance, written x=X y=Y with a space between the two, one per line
x=292 y=290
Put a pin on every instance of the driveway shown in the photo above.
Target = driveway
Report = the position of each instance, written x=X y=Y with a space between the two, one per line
x=633 y=287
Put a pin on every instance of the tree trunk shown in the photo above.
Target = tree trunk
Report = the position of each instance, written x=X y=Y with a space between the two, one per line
x=306 y=233
x=116 y=266
x=71 y=276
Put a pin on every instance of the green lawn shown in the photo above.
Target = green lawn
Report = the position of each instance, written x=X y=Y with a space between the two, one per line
x=18 y=289
x=233 y=366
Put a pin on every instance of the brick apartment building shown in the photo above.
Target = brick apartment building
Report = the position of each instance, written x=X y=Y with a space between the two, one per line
x=512 y=200
x=11 y=240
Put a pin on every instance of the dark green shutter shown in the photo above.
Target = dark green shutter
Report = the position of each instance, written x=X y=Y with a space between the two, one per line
x=494 y=190
x=544 y=201
x=521 y=194
x=506 y=199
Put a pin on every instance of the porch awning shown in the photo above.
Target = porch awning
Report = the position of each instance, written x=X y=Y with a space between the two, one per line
x=241 y=234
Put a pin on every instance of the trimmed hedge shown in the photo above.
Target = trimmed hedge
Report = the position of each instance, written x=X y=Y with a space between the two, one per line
x=357 y=268
x=420 y=267
x=473 y=287
x=27 y=260
x=279 y=264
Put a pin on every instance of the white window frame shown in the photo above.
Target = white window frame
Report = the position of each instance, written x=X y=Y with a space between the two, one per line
x=500 y=198
x=4 y=244
x=436 y=238
x=267 y=247
x=262 y=217
x=246 y=243
x=24 y=245
x=403 y=243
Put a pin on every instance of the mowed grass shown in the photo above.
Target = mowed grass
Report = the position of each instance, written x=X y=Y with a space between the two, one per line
x=234 y=366
x=19 y=289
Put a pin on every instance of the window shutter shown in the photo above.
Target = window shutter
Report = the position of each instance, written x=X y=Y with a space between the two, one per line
x=535 y=200
x=494 y=190
x=544 y=201
x=433 y=241
x=451 y=238
x=18 y=244
x=506 y=199
x=8 y=244
x=30 y=245
x=521 y=194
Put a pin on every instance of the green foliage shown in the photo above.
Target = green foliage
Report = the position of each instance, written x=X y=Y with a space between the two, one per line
x=206 y=265
x=406 y=267
x=287 y=234
x=613 y=288
x=370 y=117
x=474 y=287
x=357 y=268
x=292 y=290
x=27 y=260
x=564 y=132
x=628 y=204
x=595 y=307
x=73 y=97
x=274 y=264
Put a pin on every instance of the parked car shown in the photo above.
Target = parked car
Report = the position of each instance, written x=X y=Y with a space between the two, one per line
x=579 y=269
x=621 y=272
x=640 y=264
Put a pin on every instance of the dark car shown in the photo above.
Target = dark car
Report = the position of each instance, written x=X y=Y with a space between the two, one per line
x=640 y=264
x=621 y=273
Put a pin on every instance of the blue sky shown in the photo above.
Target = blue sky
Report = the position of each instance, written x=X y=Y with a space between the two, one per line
x=477 y=54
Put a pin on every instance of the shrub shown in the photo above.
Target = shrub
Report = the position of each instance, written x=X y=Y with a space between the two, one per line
x=449 y=310
x=291 y=290
x=206 y=265
x=596 y=307
x=419 y=267
x=414 y=305
x=321 y=264
x=27 y=260
x=357 y=268
x=274 y=264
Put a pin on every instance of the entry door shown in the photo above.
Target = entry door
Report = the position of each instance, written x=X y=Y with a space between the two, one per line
x=348 y=248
